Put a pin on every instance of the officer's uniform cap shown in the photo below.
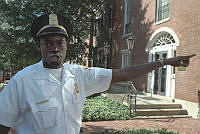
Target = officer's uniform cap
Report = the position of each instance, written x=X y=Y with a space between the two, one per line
x=51 y=24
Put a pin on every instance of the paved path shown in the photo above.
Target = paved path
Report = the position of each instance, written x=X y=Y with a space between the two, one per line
x=182 y=125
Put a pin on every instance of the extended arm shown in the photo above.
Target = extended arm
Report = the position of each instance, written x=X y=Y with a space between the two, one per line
x=132 y=72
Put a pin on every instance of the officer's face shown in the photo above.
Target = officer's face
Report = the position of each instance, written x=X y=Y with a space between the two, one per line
x=53 y=50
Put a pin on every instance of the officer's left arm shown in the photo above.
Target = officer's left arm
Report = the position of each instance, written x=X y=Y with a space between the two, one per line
x=132 y=72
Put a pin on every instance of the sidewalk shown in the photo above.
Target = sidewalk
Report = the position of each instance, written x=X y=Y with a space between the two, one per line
x=117 y=92
x=182 y=125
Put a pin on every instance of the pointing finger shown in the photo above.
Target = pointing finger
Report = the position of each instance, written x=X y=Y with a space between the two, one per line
x=190 y=56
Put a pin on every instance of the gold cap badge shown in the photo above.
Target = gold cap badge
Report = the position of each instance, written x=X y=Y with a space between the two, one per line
x=53 y=20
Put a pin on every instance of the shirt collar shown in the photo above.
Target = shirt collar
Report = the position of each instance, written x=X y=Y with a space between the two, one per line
x=44 y=75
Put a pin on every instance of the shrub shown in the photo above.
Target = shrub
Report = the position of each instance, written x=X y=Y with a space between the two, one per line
x=2 y=86
x=101 y=108
x=138 y=131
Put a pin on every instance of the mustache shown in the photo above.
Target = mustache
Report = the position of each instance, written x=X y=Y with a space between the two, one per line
x=51 y=55
x=52 y=49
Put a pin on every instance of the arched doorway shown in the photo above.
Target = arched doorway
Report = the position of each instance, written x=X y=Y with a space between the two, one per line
x=162 y=44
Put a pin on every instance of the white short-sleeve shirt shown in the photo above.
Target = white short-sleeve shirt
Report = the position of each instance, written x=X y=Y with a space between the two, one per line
x=35 y=102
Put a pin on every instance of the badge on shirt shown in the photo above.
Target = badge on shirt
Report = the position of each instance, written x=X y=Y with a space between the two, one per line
x=76 y=88
x=86 y=68
x=42 y=102
x=76 y=94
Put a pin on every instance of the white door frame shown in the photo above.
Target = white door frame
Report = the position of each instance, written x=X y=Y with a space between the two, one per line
x=170 y=49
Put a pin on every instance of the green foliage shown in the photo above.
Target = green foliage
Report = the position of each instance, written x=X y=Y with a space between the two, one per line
x=138 y=131
x=17 y=48
x=101 y=108
x=2 y=86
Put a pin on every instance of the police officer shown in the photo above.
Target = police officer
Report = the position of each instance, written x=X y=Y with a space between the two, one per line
x=48 y=97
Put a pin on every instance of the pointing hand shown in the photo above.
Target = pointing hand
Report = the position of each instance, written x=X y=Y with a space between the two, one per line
x=179 y=61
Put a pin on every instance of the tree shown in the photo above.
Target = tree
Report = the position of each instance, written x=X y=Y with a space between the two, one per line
x=18 y=48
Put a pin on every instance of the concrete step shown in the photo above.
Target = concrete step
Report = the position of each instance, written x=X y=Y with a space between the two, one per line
x=162 y=117
x=148 y=107
x=160 y=112
x=158 y=106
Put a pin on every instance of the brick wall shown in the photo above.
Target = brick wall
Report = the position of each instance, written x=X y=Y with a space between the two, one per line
x=184 y=20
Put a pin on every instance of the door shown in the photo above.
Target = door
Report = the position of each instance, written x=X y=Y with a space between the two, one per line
x=160 y=75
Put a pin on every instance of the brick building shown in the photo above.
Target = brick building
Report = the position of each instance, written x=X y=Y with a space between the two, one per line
x=163 y=29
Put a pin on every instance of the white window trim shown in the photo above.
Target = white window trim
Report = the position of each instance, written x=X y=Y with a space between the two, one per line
x=125 y=17
x=156 y=33
x=162 y=21
x=125 y=53
x=126 y=21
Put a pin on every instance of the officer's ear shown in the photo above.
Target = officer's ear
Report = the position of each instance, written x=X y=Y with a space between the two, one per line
x=67 y=42
x=38 y=44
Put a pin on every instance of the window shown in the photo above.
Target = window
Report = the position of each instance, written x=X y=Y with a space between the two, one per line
x=104 y=22
x=98 y=26
x=162 y=11
x=125 y=57
x=96 y=32
x=109 y=18
x=164 y=39
x=127 y=16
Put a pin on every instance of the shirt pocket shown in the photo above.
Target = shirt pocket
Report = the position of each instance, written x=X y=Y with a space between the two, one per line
x=45 y=114
x=75 y=107
x=76 y=98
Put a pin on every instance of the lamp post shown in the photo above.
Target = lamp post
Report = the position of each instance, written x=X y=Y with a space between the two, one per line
x=132 y=104
x=130 y=44
x=106 y=52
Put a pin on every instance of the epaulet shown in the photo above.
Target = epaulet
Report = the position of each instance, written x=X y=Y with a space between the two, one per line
x=86 y=68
